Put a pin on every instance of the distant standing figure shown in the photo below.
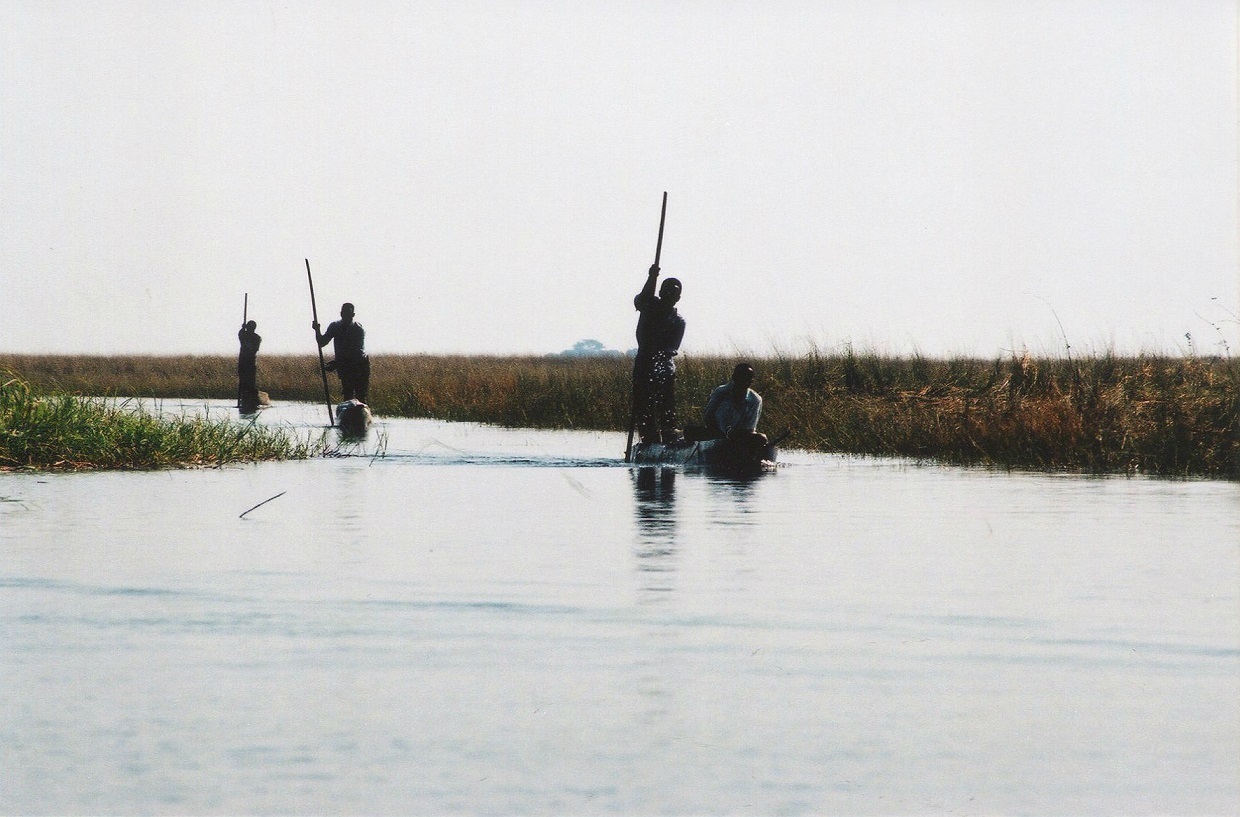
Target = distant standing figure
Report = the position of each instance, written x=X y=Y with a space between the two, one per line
x=659 y=332
x=351 y=363
x=247 y=364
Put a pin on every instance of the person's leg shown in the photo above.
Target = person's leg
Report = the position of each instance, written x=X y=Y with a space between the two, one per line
x=363 y=380
x=248 y=377
x=665 y=402
x=348 y=386
x=643 y=398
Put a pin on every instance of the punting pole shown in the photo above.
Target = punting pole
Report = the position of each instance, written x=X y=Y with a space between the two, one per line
x=245 y=316
x=314 y=310
x=658 y=250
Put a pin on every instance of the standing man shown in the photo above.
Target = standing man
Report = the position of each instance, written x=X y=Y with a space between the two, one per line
x=659 y=332
x=247 y=365
x=733 y=410
x=351 y=363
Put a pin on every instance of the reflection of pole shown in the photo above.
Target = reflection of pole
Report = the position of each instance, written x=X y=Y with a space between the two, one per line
x=314 y=310
x=658 y=250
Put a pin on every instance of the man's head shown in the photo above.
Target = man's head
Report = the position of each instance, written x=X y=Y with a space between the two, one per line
x=742 y=375
x=669 y=293
x=346 y=311
x=250 y=326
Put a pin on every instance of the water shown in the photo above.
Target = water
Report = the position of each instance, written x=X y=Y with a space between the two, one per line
x=499 y=621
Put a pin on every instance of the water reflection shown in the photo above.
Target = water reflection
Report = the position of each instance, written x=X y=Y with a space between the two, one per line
x=736 y=503
x=654 y=504
x=351 y=506
x=740 y=487
x=705 y=631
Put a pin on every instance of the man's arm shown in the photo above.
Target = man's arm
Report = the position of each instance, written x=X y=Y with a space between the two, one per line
x=712 y=405
x=753 y=411
x=646 y=296
x=677 y=335
x=324 y=337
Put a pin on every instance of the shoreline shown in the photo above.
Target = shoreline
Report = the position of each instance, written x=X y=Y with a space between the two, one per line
x=1154 y=415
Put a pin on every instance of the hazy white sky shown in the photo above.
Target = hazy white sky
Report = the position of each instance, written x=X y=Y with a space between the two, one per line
x=945 y=176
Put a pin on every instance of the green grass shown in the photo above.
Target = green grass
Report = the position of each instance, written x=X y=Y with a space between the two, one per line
x=66 y=432
x=1176 y=416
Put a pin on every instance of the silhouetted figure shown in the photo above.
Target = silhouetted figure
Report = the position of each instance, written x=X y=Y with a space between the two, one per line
x=247 y=364
x=659 y=332
x=733 y=410
x=351 y=363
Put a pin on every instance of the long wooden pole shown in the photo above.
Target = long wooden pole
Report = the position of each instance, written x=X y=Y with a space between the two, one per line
x=314 y=310
x=245 y=315
x=658 y=251
x=658 y=247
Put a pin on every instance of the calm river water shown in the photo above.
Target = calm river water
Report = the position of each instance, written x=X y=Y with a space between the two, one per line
x=489 y=621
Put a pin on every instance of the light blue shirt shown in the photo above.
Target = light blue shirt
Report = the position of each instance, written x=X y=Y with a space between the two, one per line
x=728 y=414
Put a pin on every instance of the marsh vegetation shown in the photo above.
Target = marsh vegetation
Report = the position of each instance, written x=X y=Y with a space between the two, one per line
x=1106 y=413
x=71 y=432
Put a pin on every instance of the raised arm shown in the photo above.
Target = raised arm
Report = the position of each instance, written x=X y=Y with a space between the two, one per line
x=646 y=296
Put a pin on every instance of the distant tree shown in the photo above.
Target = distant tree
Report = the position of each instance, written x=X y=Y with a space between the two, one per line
x=589 y=348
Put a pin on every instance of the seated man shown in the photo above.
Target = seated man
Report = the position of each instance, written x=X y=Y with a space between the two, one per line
x=733 y=410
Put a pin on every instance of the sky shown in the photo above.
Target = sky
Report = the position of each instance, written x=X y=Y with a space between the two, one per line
x=942 y=177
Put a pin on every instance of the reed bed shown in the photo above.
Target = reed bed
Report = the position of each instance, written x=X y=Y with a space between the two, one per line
x=1147 y=414
x=1105 y=414
x=68 y=432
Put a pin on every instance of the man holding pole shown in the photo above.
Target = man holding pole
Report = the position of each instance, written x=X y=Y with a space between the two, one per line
x=247 y=365
x=351 y=363
x=659 y=332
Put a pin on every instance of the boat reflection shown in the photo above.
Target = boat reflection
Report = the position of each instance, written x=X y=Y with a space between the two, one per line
x=741 y=486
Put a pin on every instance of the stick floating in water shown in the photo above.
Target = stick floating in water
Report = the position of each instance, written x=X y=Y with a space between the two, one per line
x=264 y=502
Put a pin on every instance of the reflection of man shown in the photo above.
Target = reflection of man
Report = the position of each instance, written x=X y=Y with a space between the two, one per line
x=733 y=410
x=659 y=332
x=247 y=364
x=655 y=506
x=351 y=363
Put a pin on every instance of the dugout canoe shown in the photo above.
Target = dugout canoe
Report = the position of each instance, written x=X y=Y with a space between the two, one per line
x=718 y=454
x=253 y=406
x=353 y=418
